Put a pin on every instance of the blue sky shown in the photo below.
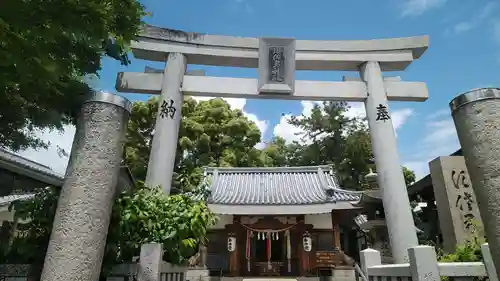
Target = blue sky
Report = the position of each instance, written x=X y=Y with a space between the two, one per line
x=464 y=53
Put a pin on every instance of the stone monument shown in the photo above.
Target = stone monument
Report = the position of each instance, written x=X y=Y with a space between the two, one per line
x=477 y=119
x=78 y=238
x=456 y=201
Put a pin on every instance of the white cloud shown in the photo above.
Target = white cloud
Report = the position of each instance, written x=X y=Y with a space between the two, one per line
x=438 y=114
x=418 y=7
x=463 y=26
x=440 y=139
x=478 y=18
x=50 y=157
x=399 y=117
x=291 y=133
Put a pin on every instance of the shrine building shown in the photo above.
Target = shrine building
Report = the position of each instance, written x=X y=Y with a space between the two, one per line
x=280 y=221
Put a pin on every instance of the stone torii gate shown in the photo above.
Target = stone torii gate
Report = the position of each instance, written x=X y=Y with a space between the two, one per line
x=277 y=60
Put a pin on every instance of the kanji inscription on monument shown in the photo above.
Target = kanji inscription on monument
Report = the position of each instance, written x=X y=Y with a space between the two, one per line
x=456 y=203
x=382 y=113
x=465 y=199
x=276 y=65
x=167 y=109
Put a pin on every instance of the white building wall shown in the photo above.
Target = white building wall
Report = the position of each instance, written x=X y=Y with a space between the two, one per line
x=319 y=221
x=223 y=220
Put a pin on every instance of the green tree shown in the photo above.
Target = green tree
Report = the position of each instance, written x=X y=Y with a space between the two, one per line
x=211 y=134
x=409 y=176
x=277 y=153
x=40 y=212
x=145 y=215
x=335 y=139
x=46 y=48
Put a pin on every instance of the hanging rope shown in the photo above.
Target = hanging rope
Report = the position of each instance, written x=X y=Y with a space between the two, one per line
x=248 y=249
x=268 y=230
x=289 y=250
x=268 y=249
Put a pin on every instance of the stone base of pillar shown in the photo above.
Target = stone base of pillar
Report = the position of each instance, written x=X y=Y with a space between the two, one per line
x=198 y=274
x=343 y=274
x=150 y=262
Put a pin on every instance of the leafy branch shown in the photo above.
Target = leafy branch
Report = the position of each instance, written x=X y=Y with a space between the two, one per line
x=145 y=215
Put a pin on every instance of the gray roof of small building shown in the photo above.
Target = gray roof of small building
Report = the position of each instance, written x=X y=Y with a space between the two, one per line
x=18 y=164
x=286 y=190
x=23 y=166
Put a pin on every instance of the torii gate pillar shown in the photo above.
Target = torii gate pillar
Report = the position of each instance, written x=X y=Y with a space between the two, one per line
x=374 y=56
x=168 y=120
x=399 y=218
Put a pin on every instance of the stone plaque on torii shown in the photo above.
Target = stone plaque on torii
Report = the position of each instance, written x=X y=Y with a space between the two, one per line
x=277 y=60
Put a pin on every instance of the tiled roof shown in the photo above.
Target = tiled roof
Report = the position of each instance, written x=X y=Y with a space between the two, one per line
x=19 y=164
x=28 y=168
x=276 y=186
x=283 y=185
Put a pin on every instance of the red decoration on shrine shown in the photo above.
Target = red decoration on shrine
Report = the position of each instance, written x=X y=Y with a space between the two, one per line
x=268 y=247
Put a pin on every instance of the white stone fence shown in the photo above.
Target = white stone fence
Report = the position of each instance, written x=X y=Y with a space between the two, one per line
x=130 y=272
x=150 y=267
x=424 y=266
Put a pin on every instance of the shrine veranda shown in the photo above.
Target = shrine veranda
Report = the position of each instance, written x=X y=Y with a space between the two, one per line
x=266 y=208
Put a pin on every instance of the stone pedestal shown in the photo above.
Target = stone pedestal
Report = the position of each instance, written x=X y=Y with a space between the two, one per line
x=455 y=199
x=477 y=119
x=382 y=244
x=150 y=262
x=76 y=247
x=343 y=274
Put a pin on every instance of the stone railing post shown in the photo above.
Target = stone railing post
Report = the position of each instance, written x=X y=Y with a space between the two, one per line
x=150 y=262
x=423 y=263
x=203 y=255
x=477 y=119
x=369 y=257
x=80 y=227
x=488 y=262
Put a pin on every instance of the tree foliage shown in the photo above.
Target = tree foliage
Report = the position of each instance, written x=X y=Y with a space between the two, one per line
x=409 y=176
x=46 y=48
x=211 y=134
x=35 y=235
x=469 y=251
x=179 y=222
x=334 y=138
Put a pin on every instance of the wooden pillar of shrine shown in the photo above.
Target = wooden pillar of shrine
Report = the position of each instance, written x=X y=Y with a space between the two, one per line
x=305 y=258
x=234 y=256
x=336 y=218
